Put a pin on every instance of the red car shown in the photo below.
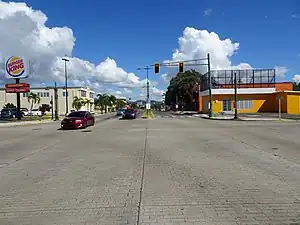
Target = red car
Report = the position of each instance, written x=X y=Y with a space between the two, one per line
x=78 y=119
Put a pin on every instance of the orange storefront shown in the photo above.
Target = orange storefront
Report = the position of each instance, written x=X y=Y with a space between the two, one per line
x=252 y=98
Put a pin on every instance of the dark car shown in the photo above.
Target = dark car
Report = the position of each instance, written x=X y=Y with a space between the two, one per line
x=10 y=113
x=78 y=119
x=120 y=112
x=129 y=114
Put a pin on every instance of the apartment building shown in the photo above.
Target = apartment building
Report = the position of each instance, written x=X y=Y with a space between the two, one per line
x=46 y=94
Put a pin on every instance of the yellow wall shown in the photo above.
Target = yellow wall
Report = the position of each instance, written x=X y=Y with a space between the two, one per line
x=260 y=103
x=293 y=103
x=290 y=102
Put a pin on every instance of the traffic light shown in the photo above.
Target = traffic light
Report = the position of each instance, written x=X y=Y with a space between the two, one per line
x=156 y=68
x=180 y=67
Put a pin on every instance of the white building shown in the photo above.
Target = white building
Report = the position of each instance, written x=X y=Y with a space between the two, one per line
x=46 y=94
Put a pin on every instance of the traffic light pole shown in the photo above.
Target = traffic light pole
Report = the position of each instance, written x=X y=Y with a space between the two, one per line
x=193 y=62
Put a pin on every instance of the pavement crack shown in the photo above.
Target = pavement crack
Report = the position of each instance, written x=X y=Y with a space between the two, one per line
x=28 y=155
x=142 y=176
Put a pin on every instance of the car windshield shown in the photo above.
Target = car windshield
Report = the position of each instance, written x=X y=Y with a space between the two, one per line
x=77 y=114
x=129 y=111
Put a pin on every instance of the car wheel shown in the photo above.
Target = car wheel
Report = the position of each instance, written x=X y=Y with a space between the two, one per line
x=84 y=125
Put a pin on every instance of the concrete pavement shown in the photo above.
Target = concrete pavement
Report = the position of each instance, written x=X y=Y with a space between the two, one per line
x=150 y=172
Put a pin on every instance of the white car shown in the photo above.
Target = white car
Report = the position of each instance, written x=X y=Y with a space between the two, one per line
x=25 y=111
x=35 y=112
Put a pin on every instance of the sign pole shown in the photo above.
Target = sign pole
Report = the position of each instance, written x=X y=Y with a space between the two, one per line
x=279 y=108
x=18 y=101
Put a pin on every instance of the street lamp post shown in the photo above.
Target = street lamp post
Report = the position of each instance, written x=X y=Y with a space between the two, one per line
x=66 y=85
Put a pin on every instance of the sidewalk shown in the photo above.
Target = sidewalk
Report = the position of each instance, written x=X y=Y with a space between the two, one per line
x=20 y=123
x=241 y=118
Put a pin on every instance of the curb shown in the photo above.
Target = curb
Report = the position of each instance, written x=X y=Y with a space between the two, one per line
x=23 y=123
x=246 y=120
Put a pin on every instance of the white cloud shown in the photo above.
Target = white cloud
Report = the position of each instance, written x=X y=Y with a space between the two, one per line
x=280 y=71
x=296 y=78
x=195 y=44
x=207 y=12
x=154 y=93
x=127 y=90
x=23 y=32
x=165 y=77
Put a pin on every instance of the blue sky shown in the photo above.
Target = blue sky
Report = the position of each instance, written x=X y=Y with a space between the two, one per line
x=138 y=33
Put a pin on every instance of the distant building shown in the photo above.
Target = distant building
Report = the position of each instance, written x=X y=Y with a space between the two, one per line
x=46 y=94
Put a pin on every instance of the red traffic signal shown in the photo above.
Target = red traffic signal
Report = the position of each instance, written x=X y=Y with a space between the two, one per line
x=181 y=67
x=156 y=68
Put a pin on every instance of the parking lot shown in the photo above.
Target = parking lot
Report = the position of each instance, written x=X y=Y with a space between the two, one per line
x=156 y=171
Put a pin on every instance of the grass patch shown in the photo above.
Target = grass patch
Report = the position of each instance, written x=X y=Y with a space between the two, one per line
x=148 y=114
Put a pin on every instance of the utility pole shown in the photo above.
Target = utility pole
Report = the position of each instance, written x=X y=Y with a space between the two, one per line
x=147 y=68
x=235 y=98
x=148 y=98
x=66 y=85
x=51 y=101
x=209 y=88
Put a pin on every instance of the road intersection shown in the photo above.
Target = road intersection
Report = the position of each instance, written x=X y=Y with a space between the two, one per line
x=150 y=172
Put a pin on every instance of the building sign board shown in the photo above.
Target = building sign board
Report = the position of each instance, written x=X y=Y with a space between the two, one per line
x=15 y=67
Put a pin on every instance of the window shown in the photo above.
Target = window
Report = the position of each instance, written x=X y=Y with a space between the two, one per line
x=83 y=93
x=47 y=94
x=77 y=114
x=91 y=95
x=244 y=104
x=65 y=94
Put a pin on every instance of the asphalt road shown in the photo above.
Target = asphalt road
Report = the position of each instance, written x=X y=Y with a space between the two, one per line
x=166 y=170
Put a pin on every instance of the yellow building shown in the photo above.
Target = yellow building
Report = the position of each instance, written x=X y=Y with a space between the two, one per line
x=253 y=97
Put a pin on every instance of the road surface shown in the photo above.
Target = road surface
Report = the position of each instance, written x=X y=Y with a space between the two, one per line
x=166 y=170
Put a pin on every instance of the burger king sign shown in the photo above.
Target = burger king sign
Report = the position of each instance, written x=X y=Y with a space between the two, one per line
x=15 y=67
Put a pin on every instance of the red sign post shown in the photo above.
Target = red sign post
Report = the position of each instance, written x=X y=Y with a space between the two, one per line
x=17 y=88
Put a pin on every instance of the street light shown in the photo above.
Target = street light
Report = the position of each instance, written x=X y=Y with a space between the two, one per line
x=66 y=84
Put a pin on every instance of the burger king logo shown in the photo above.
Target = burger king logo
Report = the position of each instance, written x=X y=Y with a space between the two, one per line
x=15 y=67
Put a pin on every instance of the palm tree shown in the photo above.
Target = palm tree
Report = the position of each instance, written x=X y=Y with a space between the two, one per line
x=33 y=98
x=106 y=101
x=77 y=103
x=100 y=101
x=87 y=102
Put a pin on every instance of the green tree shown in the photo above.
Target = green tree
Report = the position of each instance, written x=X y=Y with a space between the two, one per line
x=87 y=102
x=77 y=103
x=99 y=101
x=296 y=87
x=183 y=88
x=120 y=103
x=33 y=98
x=9 y=106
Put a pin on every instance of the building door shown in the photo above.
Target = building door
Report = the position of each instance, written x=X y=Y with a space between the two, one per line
x=227 y=105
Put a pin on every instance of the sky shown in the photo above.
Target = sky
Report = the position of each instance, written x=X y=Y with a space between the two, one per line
x=106 y=41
